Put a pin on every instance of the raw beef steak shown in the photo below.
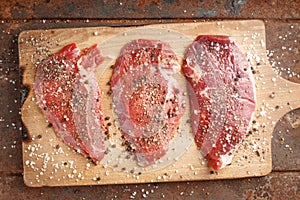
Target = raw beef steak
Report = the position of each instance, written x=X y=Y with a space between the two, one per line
x=222 y=96
x=146 y=98
x=67 y=92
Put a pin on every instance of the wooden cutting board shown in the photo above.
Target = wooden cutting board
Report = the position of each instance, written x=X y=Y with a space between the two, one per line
x=49 y=162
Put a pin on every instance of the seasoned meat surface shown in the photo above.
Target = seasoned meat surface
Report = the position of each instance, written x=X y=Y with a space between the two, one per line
x=222 y=96
x=147 y=100
x=66 y=90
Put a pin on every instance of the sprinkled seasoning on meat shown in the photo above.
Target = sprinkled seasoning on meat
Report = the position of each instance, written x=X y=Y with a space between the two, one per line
x=86 y=104
x=67 y=92
x=222 y=96
x=147 y=101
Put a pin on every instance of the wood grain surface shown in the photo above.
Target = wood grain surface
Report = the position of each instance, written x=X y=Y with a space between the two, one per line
x=49 y=162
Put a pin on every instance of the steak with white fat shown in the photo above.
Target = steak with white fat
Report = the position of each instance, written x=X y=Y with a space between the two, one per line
x=222 y=96
x=146 y=98
x=66 y=90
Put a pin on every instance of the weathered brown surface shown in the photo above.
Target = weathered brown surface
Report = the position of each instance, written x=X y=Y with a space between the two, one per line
x=10 y=140
x=285 y=143
x=281 y=186
x=282 y=183
x=141 y=9
x=283 y=48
